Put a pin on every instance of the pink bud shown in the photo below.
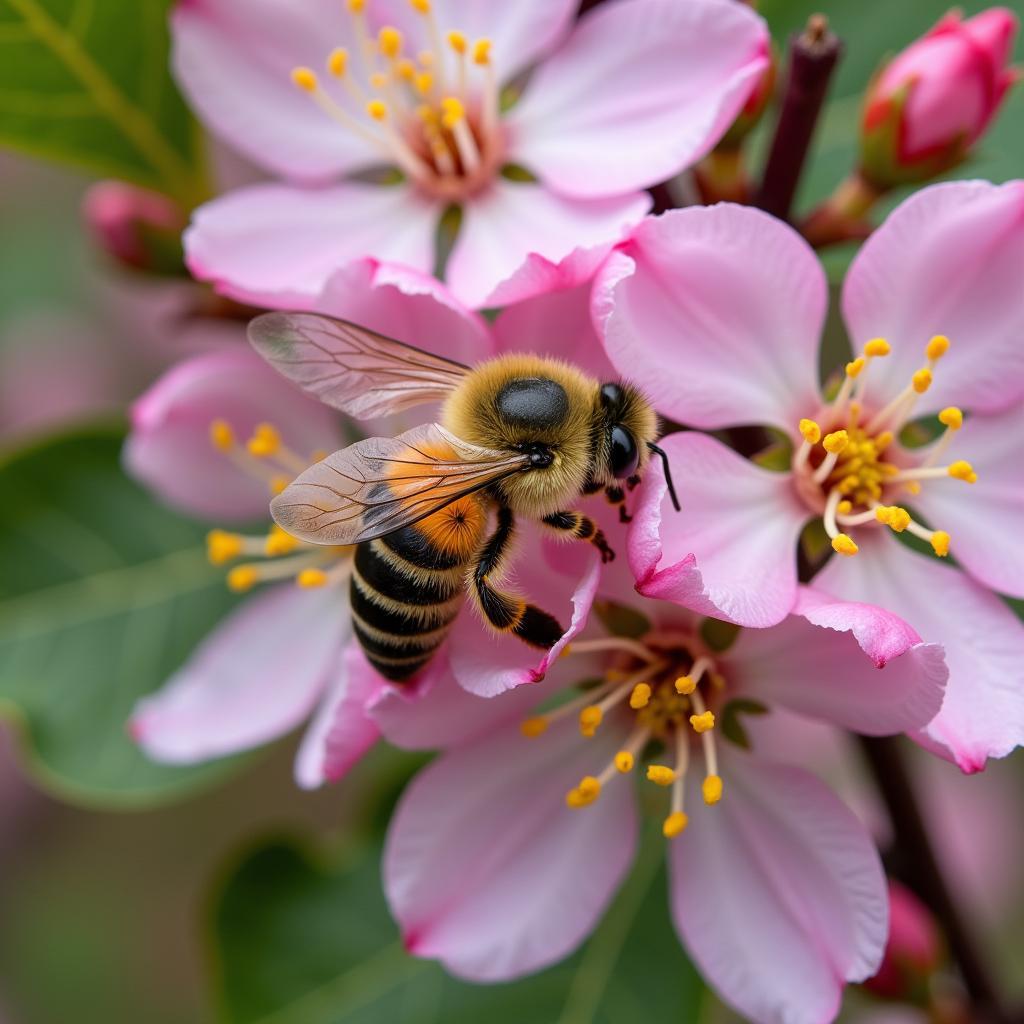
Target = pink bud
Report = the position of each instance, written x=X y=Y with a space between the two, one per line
x=937 y=97
x=913 y=950
x=135 y=226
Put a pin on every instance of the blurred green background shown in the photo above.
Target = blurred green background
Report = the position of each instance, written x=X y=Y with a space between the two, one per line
x=132 y=893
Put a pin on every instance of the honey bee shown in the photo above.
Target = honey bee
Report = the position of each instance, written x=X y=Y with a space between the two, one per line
x=520 y=435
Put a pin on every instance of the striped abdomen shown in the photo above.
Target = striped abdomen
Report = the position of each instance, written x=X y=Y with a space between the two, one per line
x=407 y=587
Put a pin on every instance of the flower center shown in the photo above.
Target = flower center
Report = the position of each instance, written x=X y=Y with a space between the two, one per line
x=847 y=470
x=435 y=115
x=664 y=685
x=278 y=554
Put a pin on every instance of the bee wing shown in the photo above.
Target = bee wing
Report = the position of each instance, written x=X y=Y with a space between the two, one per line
x=353 y=369
x=381 y=484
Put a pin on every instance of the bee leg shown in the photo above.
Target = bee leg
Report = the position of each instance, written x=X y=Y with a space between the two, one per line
x=581 y=527
x=617 y=496
x=591 y=487
x=505 y=612
x=633 y=482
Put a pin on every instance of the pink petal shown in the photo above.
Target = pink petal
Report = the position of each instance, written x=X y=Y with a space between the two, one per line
x=983 y=713
x=169 y=448
x=275 y=245
x=255 y=677
x=716 y=312
x=730 y=553
x=641 y=90
x=519 y=32
x=538 y=276
x=508 y=222
x=341 y=731
x=778 y=893
x=487 y=664
x=984 y=519
x=486 y=868
x=946 y=261
x=234 y=63
x=854 y=665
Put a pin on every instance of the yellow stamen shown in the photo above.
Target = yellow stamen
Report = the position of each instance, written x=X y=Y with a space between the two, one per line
x=482 y=52
x=853 y=369
x=377 y=109
x=585 y=793
x=221 y=435
x=640 y=697
x=242 y=578
x=279 y=542
x=844 y=545
x=951 y=417
x=533 y=727
x=674 y=824
x=624 y=761
x=420 y=6
x=265 y=441
x=457 y=41
x=703 y=722
x=305 y=79
x=278 y=484
x=836 y=442
x=937 y=347
x=686 y=685
x=337 y=62
x=356 y=6
x=922 y=380
x=660 y=774
x=221 y=546
x=893 y=516
x=961 y=470
x=845 y=507
x=940 y=543
x=424 y=84
x=310 y=579
x=389 y=39
x=590 y=719
x=711 y=789
x=452 y=112
x=877 y=347
x=405 y=69
x=810 y=431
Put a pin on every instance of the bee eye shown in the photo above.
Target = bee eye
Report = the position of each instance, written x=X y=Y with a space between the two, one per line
x=624 y=454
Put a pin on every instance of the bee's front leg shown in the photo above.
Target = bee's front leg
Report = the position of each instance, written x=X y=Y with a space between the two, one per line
x=581 y=527
x=617 y=496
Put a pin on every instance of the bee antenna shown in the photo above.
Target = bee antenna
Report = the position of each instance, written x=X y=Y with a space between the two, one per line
x=668 y=473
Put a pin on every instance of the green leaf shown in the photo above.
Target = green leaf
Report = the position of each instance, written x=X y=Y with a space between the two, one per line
x=299 y=943
x=87 y=82
x=732 y=725
x=103 y=594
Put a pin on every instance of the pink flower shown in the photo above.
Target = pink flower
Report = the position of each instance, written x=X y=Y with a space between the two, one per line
x=631 y=95
x=229 y=695
x=934 y=100
x=135 y=226
x=504 y=853
x=913 y=950
x=717 y=313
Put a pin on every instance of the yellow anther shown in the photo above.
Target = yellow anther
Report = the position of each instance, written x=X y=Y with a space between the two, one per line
x=661 y=774
x=357 y=6
x=615 y=675
x=377 y=109
x=877 y=347
x=221 y=435
x=405 y=69
x=427 y=114
x=590 y=719
x=685 y=685
x=624 y=761
x=937 y=347
x=533 y=727
x=242 y=578
x=703 y=722
x=810 y=431
x=279 y=542
x=951 y=417
x=913 y=487
x=640 y=696
x=389 y=39
x=457 y=41
x=845 y=507
x=940 y=543
x=423 y=83
x=848 y=484
x=305 y=79
x=378 y=80
x=265 y=441
x=482 y=51
x=883 y=440
x=844 y=544
x=221 y=546
x=589 y=788
x=566 y=651
x=337 y=62
x=310 y=579
x=420 y=6
x=836 y=441
x=853 y=368
x=278 y=484
x=674 y=824
x=961 y=470
x=712 y=789
x=893 y=516
x=922 y=380
x=452 y=111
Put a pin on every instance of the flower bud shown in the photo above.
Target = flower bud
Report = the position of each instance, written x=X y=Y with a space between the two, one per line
x=913 y=950
x=136 y=227
x=933 y=101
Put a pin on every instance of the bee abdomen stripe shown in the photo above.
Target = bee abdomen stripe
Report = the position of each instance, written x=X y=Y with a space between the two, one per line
x=410 y=544
x=396 y=647
x=380 y=575
x=397 y=670
x=423 y=636
x=393 y=617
